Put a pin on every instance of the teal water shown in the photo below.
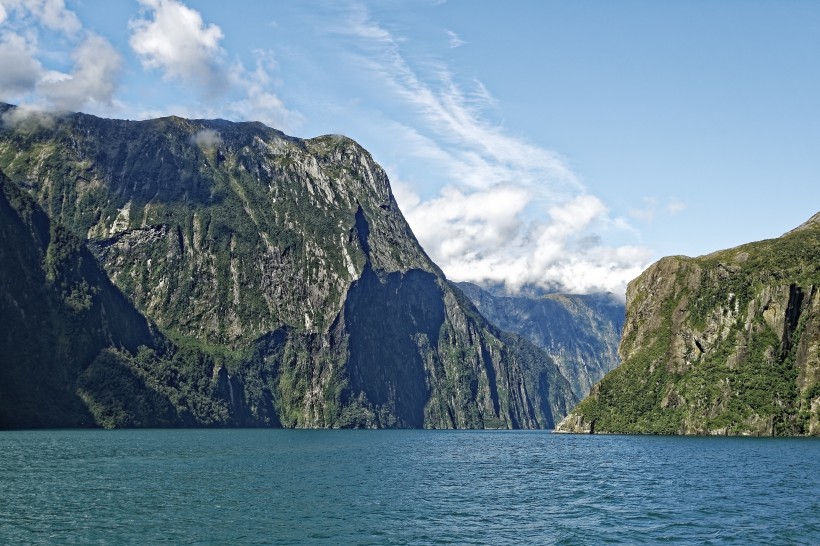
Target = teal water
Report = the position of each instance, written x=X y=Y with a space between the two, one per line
x=404 y=487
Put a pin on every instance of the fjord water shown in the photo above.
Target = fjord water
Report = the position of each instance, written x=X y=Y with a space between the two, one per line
x=404 y=487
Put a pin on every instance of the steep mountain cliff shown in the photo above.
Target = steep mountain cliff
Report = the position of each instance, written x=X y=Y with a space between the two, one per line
x=728 y=343
x=285 y=284
x=580 y=332
x=74 y=352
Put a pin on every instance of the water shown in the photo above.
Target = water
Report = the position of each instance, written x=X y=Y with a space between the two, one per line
x=404 y=487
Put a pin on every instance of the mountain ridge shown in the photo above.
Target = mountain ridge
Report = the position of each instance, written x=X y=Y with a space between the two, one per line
x=274 y=268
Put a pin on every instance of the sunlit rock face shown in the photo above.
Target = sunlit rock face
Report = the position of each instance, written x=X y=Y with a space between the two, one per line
x=281 y=283
x=727 y=343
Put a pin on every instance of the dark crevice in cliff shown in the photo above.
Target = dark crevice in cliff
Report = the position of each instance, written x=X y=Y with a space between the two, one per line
x=362 y=231
x=180 y=241
x=792 y=317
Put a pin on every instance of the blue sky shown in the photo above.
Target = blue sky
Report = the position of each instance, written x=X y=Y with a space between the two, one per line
x=566 y=144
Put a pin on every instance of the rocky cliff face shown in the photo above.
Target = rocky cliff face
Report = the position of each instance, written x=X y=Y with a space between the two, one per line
x=728 y=343
x=286 y=284
x=580 y=332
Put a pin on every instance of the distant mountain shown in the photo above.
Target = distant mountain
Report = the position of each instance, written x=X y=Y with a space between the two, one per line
x=273 y=280
x=727 y=343
x=580 y=332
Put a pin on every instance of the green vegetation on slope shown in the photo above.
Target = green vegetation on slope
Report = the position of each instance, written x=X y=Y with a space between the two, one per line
x=727 y=343
x=247 y=252
x=74 y=352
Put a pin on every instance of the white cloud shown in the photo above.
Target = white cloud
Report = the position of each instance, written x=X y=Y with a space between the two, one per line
x=207 y=138
x=457 y=224
x=35 y=87
x=93 y=81
x=512 y=212
x=28 y=116
x=487 y=235
x=21 y=71
x=55 y=16
x=175 y=40
x=167 y=36
x=50 y=13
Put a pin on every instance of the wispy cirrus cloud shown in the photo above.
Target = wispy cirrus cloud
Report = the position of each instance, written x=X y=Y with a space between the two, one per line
x=650 y=207
x=510 y=211
x=454 y=117
x=259 y=102
x=454 y=39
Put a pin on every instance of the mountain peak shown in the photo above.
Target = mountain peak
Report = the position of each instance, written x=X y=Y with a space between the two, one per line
x=811 y=223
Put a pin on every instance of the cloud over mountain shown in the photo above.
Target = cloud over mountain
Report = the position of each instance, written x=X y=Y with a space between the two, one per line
x=488 y=204
x=512 y=212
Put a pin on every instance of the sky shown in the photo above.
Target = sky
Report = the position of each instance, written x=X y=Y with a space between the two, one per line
x=566 y=145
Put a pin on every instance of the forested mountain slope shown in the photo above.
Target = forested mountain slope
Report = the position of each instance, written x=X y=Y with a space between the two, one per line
x=727 y=343
x=285 y=285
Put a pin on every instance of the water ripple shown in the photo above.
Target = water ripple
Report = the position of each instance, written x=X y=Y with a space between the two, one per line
x=404 y=487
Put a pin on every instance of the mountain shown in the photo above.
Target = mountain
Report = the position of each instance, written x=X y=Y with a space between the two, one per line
x=279 y=281
x=727 y=343
x=579 y=332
